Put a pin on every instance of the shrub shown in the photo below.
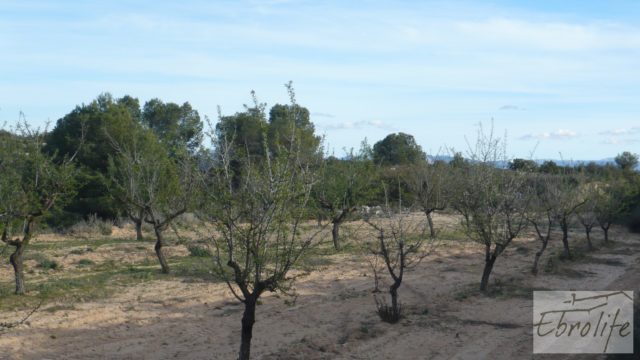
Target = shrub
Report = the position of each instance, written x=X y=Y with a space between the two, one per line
x=105 y=228
x=198 y=251
x=48 y=264
x=92 y=226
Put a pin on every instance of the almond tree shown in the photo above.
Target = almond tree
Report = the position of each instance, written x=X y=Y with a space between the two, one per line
x=400 y=245
x=492 y=201
x=151 y=183
x=259 y=212
x=136 y=215
x=343 y=186
x=610 y=204
x=427 y=182
x=568 y=199
x=540 y=213
x=587 y=212
x=31 y=184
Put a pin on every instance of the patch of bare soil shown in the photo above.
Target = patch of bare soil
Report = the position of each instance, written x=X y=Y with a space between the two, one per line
x=333 y=315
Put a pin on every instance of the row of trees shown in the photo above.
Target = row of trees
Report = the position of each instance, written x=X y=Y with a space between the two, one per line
x=31 y=184
x=625 y=161
x=267 y=176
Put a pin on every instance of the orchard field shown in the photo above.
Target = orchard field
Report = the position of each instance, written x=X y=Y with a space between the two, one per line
x=104 y=294
x=136 y=233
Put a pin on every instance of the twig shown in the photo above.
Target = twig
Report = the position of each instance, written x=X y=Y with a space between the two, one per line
x=9 y=325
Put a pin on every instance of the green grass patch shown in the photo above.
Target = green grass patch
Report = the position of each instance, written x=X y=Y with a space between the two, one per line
x=199 y=250
x=456 y=234
x=80 y=242
x=85 y=262
x=73 y=288
x=195 y=268
x=49 y=264
x=43 y=261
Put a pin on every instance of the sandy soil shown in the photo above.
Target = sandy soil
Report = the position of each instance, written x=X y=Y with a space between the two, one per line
x=333 y=316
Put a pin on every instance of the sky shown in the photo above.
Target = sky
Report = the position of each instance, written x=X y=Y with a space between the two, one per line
x=558 y=79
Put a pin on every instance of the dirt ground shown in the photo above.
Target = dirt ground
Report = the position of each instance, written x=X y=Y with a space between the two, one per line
x=333 y=315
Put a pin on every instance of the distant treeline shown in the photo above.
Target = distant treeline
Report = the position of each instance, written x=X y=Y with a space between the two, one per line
x=349 y=180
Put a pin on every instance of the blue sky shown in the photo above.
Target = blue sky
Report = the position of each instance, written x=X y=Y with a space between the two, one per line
x=560 y=77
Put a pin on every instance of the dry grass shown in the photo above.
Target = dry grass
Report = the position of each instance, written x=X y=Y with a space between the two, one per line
x=107 y=295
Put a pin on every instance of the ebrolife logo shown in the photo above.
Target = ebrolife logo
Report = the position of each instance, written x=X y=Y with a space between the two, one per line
x=572 y=322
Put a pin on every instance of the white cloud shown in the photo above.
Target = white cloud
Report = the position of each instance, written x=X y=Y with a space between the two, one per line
x=510 y=107
x=621 y=131
x=553 y=135
x=554 y=36
x=618 y=141
x=321 y=114
x=359 y=125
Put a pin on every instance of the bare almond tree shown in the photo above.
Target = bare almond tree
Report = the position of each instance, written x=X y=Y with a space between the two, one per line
x=586 y=213
x=610 y=204
x=540 y=214
x=556 y=199
x=260 y=214
x=400 y=245
x=492 y=201
x=342 y=187
x=427 y=182
x=568 y=199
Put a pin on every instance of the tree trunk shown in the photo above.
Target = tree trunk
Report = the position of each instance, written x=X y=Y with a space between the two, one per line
x=394 y=299
x=589 y=244
x=534 y=270
x=137 y=221
x=432 y=230
x=565 y=242
x=159 y=253
x=248 y=319
x=139 y=235
x=606 y=234
x=335 y=234
x=18 y=267
x=488 y=266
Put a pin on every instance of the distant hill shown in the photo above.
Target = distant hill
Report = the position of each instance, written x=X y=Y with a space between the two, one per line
x=577 y=162
x=445 y=158
x=601 y=162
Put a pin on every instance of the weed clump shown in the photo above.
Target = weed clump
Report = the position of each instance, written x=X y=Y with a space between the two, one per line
x=86 y=262
x=198 y=251
x=388 y=313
